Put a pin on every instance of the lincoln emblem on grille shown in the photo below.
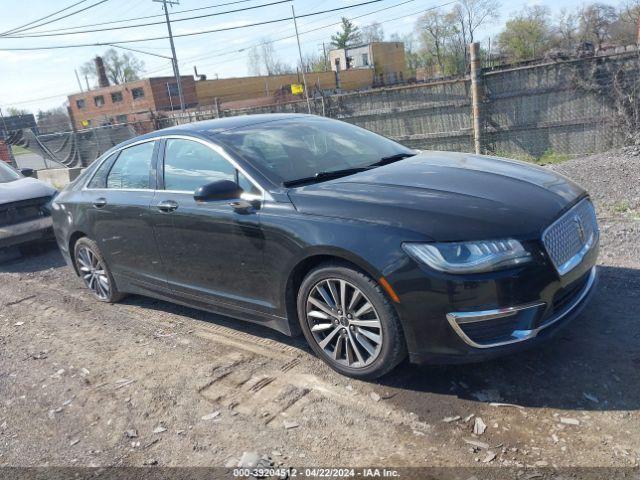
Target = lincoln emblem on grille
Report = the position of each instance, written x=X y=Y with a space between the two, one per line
x=581 y=233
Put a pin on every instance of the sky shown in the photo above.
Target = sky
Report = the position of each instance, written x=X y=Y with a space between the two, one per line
x=41 y=79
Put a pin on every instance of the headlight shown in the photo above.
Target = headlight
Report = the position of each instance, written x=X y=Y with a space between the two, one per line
x=469 y=257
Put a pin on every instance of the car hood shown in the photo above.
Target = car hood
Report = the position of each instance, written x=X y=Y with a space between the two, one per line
x=24 y=189
x=447 y=197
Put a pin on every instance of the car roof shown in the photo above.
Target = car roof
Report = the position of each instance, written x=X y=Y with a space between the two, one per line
x=209 y=128
x=212 y=127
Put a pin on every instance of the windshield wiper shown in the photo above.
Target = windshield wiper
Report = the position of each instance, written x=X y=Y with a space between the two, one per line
x=327 y=175
x=392 y=158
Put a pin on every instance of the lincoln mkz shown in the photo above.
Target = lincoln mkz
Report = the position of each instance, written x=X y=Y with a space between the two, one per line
x=374 y=251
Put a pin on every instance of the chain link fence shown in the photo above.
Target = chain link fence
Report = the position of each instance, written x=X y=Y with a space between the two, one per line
x=545 y=111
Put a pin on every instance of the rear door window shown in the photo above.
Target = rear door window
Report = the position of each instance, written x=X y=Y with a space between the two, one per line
x=132 y=169
x=99 y=179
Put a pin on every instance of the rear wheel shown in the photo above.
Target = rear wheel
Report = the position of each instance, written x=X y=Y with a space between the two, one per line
x=349 y=322
x=94 y=271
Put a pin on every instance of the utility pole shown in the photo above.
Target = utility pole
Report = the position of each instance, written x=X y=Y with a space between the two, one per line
x=476 y=96
x=304 y=76
x=174 y=60
x=78 y=79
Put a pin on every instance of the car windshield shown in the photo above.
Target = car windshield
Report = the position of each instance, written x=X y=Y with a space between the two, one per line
x=290 y=150
x=7 y=174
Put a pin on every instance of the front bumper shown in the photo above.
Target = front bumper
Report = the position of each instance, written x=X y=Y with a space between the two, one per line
x=517 y=324
x=24 y=232
x=470 y=318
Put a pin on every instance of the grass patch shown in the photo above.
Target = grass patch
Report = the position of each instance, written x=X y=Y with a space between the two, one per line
x=548 y=158
x=622 y=207
x=18 y=150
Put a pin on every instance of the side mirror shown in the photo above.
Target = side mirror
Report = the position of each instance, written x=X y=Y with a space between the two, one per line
x=27 y=172
x=220 y=190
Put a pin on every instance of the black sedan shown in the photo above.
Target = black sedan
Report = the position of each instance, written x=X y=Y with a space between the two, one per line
x=373 y=251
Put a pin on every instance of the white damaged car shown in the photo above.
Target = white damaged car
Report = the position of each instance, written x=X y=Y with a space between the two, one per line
x=25 y=207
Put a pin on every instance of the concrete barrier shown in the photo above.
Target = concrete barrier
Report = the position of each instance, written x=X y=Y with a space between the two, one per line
x=58 y=177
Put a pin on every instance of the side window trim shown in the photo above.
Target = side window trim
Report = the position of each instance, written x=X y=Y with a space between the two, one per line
x=153 y=182
x=108 y=162
x=264 y=195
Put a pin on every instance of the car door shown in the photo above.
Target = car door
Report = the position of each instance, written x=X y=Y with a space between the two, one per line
x=118 y=213
x=210 y=251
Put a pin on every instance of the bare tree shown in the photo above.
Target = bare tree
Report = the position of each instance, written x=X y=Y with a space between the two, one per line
x=596 y=21
x=372 y=33
x=254 y=62
x=272 y=64
x=314 y=62
x=53 y=120
x=472 y=14
x=566 y=30
x=120 y=68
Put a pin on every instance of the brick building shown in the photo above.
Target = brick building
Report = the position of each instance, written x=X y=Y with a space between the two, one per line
x=386 y=59
x=129 y=102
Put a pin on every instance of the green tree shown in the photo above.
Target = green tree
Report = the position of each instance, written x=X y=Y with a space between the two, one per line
x=438 y=37
x=120 y=68
x=527 y=35
x=348 y=36
x=16 y=112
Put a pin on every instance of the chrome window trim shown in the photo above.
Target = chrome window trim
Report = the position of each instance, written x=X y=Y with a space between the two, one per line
x=574 y=261
x=213 y=146
x=224 y=154
x=520 y=335
x=106 y=157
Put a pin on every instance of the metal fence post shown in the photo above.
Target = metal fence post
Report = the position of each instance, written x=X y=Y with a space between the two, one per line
x=476 y=95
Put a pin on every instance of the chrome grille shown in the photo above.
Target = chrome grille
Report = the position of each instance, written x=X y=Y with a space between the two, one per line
x=570 y=237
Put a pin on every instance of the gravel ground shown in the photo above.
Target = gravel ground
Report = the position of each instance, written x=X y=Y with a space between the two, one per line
x=145 y=382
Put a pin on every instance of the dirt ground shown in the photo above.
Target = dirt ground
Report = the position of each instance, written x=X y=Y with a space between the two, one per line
x=150 y=383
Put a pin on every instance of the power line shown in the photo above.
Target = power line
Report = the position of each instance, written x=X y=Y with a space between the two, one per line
x=138 y=25
x=227 y=52
x=43 y=18
x=146 y=17
x=64 y=16
x=208 y=55
x=191 y=34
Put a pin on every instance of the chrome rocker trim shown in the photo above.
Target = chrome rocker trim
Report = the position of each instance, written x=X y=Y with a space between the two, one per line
x=459 y=318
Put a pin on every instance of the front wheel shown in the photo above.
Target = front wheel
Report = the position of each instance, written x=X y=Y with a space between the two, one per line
x=94 y=271
x=349 y=322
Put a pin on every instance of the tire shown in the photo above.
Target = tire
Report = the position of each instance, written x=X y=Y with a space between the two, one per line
x=379 y=349
x=94 y=271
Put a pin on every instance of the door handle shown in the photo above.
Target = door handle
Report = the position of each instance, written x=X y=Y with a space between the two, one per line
x=168 y=206
x=99 y=202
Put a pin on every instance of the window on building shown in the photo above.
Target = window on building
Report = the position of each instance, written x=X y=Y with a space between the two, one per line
x=189 y=165
x=173 y=89
x=365 y=59
x=401 y=77
x=80 y=103
x=116 y=97
x=99 y=101
x=121 y=119
x=132 y=168
x=137 y=93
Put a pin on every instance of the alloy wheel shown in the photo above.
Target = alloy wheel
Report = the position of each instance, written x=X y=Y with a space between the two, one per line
x=93 y=273
x=344 y=323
